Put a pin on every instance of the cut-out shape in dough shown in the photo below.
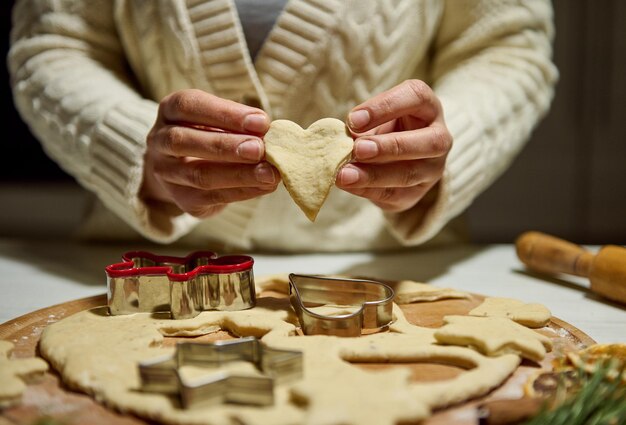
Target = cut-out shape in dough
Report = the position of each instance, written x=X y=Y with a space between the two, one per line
x=99 y=355
x=530 y=315
x=14 y=373
x=308 y=160
x=342 y=393
x=493 y=336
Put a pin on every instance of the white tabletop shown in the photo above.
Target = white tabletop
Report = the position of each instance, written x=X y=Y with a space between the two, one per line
x=36 y=274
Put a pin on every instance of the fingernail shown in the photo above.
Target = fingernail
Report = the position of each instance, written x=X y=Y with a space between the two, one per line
x=359 y=119
x=250 y=149
x=255 y=123
x=265 y=174
x=365 y=149
x=348 y=176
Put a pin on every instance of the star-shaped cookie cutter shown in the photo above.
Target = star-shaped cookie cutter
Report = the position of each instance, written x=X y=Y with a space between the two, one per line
x=163 y=374
x=184 y=286
x=374 y=302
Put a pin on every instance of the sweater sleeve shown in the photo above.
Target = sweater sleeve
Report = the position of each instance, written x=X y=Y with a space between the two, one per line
x=493 y=72
x=72 y=86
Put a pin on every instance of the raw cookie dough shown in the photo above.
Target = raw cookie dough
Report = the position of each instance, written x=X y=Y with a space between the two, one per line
x=98 y=354
x=408 y=291
x=272 y=282
x=308 y=160
x=336 y=392
x=493 y=336
x=530 y=315
x=13 y=373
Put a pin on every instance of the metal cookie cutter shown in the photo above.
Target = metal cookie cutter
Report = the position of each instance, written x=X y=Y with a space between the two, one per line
x=163 y=374
x=374 y=299
x=184 y=286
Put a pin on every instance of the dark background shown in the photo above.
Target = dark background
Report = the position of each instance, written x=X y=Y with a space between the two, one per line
x=23 y=159
x=570 y=180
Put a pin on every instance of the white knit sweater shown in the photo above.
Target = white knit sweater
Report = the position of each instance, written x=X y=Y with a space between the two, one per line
x=87 y=76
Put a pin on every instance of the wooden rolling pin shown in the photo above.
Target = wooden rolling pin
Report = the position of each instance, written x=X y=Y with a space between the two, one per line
x=606 y=270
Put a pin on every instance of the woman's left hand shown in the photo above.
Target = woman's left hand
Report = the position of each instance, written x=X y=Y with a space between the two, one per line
x=400 y=149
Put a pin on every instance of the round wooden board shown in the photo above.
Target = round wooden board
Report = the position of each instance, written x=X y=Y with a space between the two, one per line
x=48 y=398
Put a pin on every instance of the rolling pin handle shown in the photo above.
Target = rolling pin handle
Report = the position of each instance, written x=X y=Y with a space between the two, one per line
x=547 y=254
x=606 y=270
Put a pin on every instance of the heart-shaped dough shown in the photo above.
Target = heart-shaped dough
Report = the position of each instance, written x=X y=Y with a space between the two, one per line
x=308 y=160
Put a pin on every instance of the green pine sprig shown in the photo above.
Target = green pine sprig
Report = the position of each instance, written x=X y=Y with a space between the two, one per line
x=599 y=401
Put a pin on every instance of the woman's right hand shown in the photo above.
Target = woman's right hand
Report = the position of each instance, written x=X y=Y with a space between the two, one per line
x=204 y=152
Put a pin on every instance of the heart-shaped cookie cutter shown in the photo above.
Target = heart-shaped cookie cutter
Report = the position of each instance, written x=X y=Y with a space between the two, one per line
x=277 y=366
x=374 y=302
x=184 y=286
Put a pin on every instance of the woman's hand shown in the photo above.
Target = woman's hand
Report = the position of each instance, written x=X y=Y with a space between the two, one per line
x=400 y=149
x=205 y=152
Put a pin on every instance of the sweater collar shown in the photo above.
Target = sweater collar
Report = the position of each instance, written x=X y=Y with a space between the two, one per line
x=291 y=52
